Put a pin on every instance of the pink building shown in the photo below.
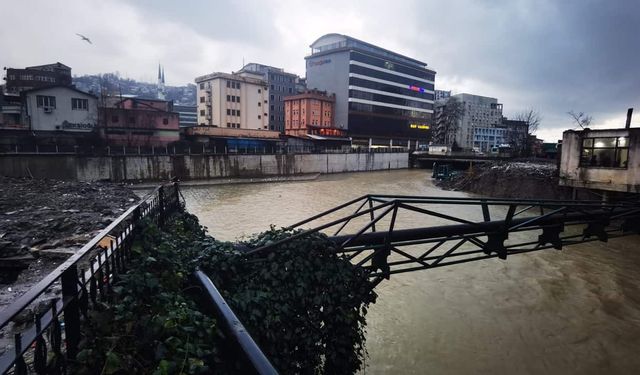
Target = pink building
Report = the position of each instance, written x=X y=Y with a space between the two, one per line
x=139 y=122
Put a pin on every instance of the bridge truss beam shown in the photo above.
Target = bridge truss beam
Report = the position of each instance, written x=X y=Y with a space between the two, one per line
x=396 y=234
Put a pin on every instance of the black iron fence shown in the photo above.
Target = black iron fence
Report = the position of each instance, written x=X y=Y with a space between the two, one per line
x=46 y=331
x=87 y=150
x=45 y=322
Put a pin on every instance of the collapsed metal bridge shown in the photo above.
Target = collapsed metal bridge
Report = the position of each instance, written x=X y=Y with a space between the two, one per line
x=391 y=234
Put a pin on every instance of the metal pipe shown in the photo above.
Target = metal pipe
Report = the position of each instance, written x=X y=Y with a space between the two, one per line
x=461 y=229
x=258 y=360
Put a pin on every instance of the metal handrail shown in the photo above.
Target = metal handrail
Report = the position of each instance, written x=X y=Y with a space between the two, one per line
x=259 y=362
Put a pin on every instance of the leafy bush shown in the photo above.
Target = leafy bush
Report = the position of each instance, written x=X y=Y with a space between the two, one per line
x=152 y=327
x=304 y=305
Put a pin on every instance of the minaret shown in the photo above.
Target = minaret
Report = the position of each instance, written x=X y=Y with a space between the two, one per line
x=161 y=92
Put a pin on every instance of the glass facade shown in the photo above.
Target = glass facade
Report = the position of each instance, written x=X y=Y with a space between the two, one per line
x=405 y=112
x=367 y=84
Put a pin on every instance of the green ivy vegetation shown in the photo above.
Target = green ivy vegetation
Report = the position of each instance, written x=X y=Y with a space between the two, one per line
x=152 y=326
x=304 y=306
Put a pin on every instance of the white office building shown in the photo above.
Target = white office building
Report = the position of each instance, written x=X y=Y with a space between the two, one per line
x=481 y=124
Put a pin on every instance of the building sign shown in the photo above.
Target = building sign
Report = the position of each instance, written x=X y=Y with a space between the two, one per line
x=419 y=126
x=319 y=62
x=389 y=65
x=86 y=126
x=416 y=88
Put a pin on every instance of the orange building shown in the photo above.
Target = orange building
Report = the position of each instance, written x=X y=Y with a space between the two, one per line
x=310 y=113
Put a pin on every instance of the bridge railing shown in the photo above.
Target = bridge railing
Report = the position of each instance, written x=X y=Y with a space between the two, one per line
x=45 y=322
x=387 y=234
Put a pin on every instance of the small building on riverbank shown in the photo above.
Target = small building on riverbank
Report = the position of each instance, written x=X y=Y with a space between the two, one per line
x=602 y=159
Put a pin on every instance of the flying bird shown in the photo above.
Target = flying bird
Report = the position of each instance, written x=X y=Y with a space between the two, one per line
x=84 y=38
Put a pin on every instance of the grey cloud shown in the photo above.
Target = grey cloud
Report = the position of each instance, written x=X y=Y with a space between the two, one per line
x=551 y=55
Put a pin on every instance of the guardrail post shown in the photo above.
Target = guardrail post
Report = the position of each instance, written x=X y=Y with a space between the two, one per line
x=161 y=206
x=177 y=193
x=69 y=283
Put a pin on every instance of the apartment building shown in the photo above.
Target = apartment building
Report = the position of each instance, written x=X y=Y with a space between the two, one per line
x=18 y=80
x=311 y=113
x=139 y=122
x=480 y=126
x=239 y=101
x=281 y=84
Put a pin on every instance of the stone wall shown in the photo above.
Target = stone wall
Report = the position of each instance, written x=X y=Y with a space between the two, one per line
x=192 y=167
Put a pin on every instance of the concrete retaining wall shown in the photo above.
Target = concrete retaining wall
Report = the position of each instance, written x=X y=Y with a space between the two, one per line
x=192 y=167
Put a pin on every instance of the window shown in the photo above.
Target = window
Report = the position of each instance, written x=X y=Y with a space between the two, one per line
x=233 y=112
x=79 y=104
x=228 y=98
x=259 y=91
x=233 y=98
x=259 y=117
x=202 y=99
x=165 y=121
x=228 y=112
x=45 y=101
x=259 y=104
x=237 y=99
x=228 y=84
x=202 y=86
x=272 y=107
x=238 y=85
x=271 y=87
x=603 y=152
x=115 y=118
x=238 y=112
x=202 y=112
x=272 y=98
x=290 y=90
x=228 y=124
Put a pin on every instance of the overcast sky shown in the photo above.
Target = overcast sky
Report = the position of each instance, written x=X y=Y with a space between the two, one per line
x=552 y=56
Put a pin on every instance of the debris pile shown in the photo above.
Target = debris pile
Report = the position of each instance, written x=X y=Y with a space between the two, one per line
x=42 y=222
x=525 y=180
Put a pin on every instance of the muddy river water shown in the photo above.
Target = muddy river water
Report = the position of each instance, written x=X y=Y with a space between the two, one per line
x=575 y=311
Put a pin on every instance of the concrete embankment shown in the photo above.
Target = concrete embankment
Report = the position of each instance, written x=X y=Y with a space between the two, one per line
x=510 y=180
x=193 y=167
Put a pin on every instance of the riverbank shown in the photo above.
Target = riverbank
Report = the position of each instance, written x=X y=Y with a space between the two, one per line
x=43 y=222
x=526 y=180
x=233 y=181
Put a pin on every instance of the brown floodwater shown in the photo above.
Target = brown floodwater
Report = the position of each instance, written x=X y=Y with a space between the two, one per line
x=575 y=311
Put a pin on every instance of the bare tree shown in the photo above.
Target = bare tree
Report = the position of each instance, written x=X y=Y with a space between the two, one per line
x=532 y=118
x=447 y=121
x=582 y=119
